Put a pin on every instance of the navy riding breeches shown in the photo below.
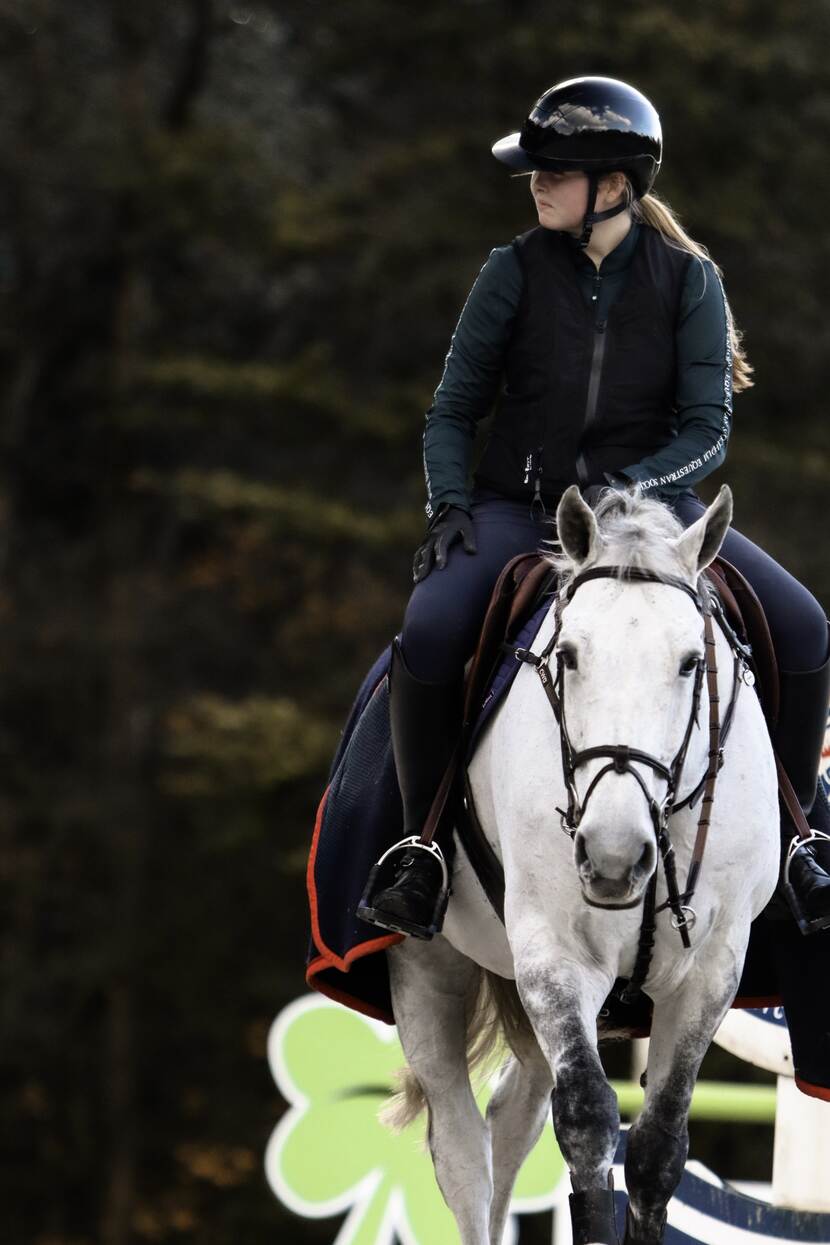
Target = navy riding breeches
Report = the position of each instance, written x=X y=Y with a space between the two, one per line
x=797 y=622
x=446 y=610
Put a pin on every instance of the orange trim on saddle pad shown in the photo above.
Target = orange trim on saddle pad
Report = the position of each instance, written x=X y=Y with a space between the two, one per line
x=341 y=996
x=327 y=957
x=812 y=1091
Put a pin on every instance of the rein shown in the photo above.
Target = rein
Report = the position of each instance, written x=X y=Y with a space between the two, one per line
x=621 y=757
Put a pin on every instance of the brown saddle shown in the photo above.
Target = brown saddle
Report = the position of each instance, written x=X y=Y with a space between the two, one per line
x=527 y=578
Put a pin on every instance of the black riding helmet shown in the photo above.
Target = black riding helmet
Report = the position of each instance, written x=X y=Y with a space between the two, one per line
x=599 y=125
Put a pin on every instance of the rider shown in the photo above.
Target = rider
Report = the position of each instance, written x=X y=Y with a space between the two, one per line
x=610 y=330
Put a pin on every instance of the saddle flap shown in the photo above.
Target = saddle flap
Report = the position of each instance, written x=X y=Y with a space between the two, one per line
x=746 y=616
x=518 y=588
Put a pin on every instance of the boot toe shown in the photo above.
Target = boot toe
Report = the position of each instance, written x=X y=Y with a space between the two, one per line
x=414 y=903
x=810 y=884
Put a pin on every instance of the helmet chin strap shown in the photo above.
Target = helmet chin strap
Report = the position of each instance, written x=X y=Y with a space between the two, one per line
x=591 y=217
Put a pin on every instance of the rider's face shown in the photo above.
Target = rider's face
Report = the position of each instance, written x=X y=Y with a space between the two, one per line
x=561 y=198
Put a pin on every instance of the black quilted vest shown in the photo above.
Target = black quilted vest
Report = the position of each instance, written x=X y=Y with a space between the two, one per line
x=581 y=399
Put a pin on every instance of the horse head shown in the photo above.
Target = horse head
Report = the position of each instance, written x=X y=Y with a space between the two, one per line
x=629 y=652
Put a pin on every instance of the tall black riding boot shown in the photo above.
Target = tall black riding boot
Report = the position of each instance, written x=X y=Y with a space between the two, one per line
x=798 y=741
x=408 y=889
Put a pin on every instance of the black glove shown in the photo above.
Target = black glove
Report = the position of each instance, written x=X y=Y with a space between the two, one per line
x=450 y=523
x=616 y=484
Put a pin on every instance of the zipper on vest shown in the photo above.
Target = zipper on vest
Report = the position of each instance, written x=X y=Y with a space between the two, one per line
x=597 y=357
x=537 y=484
x=535 y=457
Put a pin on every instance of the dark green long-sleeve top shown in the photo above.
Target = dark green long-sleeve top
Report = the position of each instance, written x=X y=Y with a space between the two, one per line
x=474 y=364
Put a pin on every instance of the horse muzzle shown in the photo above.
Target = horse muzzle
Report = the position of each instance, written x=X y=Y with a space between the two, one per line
x=607 y=881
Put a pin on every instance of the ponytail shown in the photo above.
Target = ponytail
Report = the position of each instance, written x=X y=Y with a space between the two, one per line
x=653 y=211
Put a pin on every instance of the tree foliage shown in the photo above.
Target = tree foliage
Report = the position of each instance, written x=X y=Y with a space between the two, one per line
x=234 y=241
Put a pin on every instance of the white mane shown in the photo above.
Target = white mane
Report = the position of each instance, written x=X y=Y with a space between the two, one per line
x=636 y=532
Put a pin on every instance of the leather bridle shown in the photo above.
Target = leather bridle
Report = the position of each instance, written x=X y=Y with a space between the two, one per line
x=622 y=756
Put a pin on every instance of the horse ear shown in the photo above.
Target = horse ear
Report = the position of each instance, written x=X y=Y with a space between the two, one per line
x=700 y=543
x=576 y=526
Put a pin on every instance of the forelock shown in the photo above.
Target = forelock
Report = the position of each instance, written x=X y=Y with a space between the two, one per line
x=636 y=532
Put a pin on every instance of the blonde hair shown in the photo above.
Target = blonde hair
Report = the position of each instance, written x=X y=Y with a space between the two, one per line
x=654 y=211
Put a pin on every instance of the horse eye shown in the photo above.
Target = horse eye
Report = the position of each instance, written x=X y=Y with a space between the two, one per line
x=689 y=665
x=567 y=656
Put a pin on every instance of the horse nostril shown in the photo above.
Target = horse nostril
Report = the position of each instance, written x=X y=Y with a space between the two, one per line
x=580 y=854
x=645 y=858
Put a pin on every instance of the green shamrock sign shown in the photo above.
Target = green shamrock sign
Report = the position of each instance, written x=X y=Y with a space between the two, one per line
x=330 y=1155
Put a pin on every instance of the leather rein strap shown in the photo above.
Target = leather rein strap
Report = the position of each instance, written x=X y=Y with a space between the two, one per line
x=622 y=755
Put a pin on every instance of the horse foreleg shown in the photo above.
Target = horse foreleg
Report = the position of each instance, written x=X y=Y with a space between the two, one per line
x=516 y=1113
x=562 y=1003
x=433 y=990
x=658 y=1143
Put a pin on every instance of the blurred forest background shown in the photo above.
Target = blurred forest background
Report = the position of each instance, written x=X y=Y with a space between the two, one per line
x=234 y=241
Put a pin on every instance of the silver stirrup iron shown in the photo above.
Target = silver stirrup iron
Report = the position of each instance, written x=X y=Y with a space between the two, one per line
x=414 y=841
x=796 y=843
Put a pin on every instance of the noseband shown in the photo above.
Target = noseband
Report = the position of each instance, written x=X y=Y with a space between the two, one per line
x=622 y=756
